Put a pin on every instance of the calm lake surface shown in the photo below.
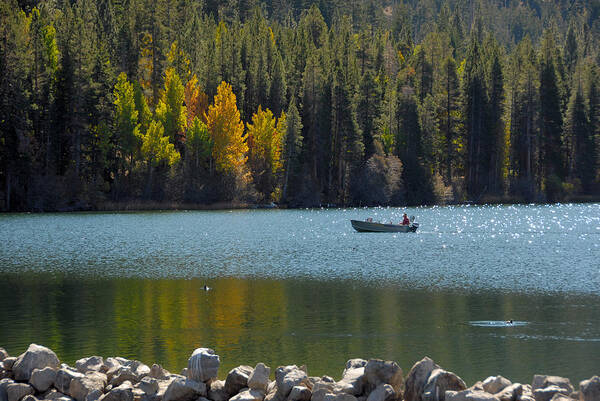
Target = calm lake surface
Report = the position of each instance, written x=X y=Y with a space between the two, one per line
x=301 y=287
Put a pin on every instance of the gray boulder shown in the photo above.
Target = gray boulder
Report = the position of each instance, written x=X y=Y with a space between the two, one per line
x=121 y=374
x=417 y=379
x=80 y=387
x=94 y=395
x=560 y=397
x=383 y=392
x=249 y=395
x=203 y=365
x=469 y=395
x=36 y=356
x=353 y=380
x=54 y=395
x=589 y=390
x=9 y=362
x=94 y=363
x=300 y=393
x=158 y=372
x=510 y=393
x=3 y=385
x=439 y=382
x=124 y=392
x=354 y=364
x=3 y=354
x=148 y=385
x=495 y=384
x=339 y=397
x=42 y=379
x=62 y=382
x=546 y=393
x=182 y=389
x=543 y=381
x=237 y=379
x=217 y=391
x=379 y=372
x=16 y=391
x=29 y=398
x=109 y=363
x=287 y=377
x=259 y=378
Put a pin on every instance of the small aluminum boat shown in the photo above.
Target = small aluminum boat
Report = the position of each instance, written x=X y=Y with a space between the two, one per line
x=373 y=227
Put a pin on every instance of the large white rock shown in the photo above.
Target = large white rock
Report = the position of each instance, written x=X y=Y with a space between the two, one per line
x=237 y=379
x=259 y=378
x=94 y=363
x=495 y=384
x=378 y=372
x=589 y=390
x=80 y=387
x=383 y=392
x=42 y=379
x=203 y=365
x=62 y=382
x=439 y=382
x=249 y=395
x=36 y=356
x=16 y=391
x=3 y=354
x=182 y=389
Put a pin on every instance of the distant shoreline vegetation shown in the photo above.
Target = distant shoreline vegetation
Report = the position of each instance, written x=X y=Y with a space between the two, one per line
x=109 y=105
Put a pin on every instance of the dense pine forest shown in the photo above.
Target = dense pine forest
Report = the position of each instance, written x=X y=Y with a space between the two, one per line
x=126 y=103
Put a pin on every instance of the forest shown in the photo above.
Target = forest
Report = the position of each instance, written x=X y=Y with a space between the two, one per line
x=122 y=104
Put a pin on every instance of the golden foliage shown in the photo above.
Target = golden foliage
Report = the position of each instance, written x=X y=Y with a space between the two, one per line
x=226 y=131
x=196 y=101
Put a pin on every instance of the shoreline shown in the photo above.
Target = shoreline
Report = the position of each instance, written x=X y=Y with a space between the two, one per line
x=224 y=206
x=37 y=374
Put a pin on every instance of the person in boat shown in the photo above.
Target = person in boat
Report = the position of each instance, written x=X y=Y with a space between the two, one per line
x=405 y=220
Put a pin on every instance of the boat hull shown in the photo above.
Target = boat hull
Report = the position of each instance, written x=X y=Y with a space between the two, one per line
x=371 y=227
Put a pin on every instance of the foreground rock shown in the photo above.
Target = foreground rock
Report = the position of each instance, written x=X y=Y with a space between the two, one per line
x=203 y=365
x=439 y=382
x=182 y=389
x=42 y=379
x=16 y=391
x=237 y=379
x=287 y=377
x=36 y=356
x=590 y=389
x=417 y=379
x=259 y=378
x=80 y=387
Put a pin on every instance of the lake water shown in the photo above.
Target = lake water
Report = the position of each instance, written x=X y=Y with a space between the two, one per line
x=301 y=287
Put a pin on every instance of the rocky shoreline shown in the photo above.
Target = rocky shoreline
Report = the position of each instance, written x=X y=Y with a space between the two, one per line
x=37 y=374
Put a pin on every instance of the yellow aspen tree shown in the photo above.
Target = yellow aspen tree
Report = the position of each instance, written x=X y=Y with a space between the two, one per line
x=264 y=143
x=226 y=131
x=196 y=101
